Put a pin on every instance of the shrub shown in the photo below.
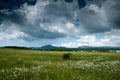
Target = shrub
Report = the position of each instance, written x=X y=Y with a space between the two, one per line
x=66 y=56
x=103 y=50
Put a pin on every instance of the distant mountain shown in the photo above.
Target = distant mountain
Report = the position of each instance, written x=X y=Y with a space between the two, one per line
x=48 y=47
x=51 y=47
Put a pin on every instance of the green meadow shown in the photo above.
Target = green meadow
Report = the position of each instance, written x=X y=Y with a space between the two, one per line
x=50 y=65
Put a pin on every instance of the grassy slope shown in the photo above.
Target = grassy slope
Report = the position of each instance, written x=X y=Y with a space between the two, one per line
x=49 y=65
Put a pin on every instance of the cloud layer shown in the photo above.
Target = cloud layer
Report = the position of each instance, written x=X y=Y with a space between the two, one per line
x=50 y=19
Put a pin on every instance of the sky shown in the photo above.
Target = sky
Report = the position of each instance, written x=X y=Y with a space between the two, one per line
x=67 y=23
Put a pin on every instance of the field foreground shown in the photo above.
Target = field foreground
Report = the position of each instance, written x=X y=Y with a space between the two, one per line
x=49 y=65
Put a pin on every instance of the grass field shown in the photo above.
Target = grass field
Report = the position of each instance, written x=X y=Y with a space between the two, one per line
x=49 y=65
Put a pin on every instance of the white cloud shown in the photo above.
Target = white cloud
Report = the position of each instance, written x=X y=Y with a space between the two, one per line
x=10 y=32
x=88 y=40
x=111 y=38
x=32 y=13
x=11 y=35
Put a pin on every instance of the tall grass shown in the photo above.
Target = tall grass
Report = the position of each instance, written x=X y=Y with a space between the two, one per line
x=49 y=65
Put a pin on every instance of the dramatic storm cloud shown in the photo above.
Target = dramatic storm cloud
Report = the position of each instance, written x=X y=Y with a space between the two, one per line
x=57 y=19
x=14 y=4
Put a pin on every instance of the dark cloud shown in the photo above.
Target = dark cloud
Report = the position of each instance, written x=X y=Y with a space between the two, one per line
x=114 y=15
x=100 y=16
x=56 y=11
x=1 y=21
x=60 y=18
x=14 y=4
x=91 y=21
x=36 y=31
x=81 y=3
x=69 y=0
x=12 y=17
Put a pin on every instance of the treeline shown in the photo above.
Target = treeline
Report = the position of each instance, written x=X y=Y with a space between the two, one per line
x=85 y=50
x=17 y=47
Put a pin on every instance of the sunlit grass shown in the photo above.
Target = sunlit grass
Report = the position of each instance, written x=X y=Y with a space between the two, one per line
x=50 y=65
